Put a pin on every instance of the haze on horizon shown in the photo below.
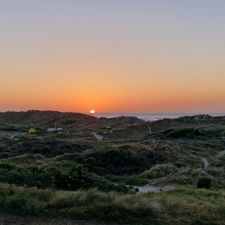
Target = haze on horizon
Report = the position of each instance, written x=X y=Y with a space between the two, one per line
x=113 y=56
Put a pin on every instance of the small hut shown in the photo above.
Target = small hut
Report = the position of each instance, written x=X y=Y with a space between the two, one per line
x=32 y=129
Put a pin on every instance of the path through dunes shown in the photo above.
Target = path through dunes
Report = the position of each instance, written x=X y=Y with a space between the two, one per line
x=97 y=136
x=205 y=163
x=155 y=188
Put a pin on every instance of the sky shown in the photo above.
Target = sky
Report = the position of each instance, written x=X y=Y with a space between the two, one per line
x=112 y=55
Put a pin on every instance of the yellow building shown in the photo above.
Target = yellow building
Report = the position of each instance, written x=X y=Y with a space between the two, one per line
x=32 y=130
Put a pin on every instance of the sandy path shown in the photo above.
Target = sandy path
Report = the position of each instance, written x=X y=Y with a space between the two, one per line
x=205 y=163
x=153 y=188
x=97 y=136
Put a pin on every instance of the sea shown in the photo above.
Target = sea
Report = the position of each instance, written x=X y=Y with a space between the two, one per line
x=155 y=116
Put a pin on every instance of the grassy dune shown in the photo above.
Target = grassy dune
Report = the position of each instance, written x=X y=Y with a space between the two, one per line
x=73 y=176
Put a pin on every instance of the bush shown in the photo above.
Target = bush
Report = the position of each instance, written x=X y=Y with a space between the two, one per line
x=123 y=162
x=204 y=182
x=30 y=176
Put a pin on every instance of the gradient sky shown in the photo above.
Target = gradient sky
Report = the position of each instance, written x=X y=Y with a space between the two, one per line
x=113 y=55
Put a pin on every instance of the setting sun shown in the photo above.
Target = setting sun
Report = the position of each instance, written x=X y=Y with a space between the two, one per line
x=92 y=111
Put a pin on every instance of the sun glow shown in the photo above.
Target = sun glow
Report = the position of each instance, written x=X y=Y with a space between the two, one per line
x=92 y=111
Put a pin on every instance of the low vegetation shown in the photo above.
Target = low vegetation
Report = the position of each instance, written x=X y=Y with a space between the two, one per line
x=174 y=207
x=73 y=175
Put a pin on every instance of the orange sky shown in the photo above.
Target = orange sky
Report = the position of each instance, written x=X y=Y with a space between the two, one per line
x=113 y=57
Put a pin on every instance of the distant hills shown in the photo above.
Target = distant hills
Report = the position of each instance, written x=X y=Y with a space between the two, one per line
x=64 y=119
x=43 y=118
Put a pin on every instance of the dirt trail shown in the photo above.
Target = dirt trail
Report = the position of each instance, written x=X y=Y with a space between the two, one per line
x=155 y=188
x=205 y=163
x=97 y=136
x=12 y=134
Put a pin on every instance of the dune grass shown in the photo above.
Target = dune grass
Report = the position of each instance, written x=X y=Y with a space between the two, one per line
x=178 y=207
x=91 y=204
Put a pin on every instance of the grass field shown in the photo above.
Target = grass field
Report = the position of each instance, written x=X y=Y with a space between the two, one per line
x=185 y=206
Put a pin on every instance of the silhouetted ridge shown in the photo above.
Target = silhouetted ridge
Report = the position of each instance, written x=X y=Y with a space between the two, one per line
x=44 y=117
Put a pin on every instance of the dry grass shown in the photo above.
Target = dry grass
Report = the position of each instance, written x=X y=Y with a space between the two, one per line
x=178 y=207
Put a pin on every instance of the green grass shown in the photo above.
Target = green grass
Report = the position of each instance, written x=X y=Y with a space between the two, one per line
x=90 y=204
x=179 y=207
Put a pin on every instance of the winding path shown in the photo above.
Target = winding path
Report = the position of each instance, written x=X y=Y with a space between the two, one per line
x=97 y=136
x=155 y=188
x=205 y=163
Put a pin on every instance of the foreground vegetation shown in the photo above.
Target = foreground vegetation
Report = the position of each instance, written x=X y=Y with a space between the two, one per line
x=182 y=206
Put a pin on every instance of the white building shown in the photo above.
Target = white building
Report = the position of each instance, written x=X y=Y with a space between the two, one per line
x=53 y=129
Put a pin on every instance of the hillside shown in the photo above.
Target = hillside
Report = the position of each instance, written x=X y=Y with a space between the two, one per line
x=124 y=155
x=43 y=118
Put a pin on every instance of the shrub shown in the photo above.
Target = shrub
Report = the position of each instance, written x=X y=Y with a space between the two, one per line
x=123 y=162
x=30 y=176
x=204 y=182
